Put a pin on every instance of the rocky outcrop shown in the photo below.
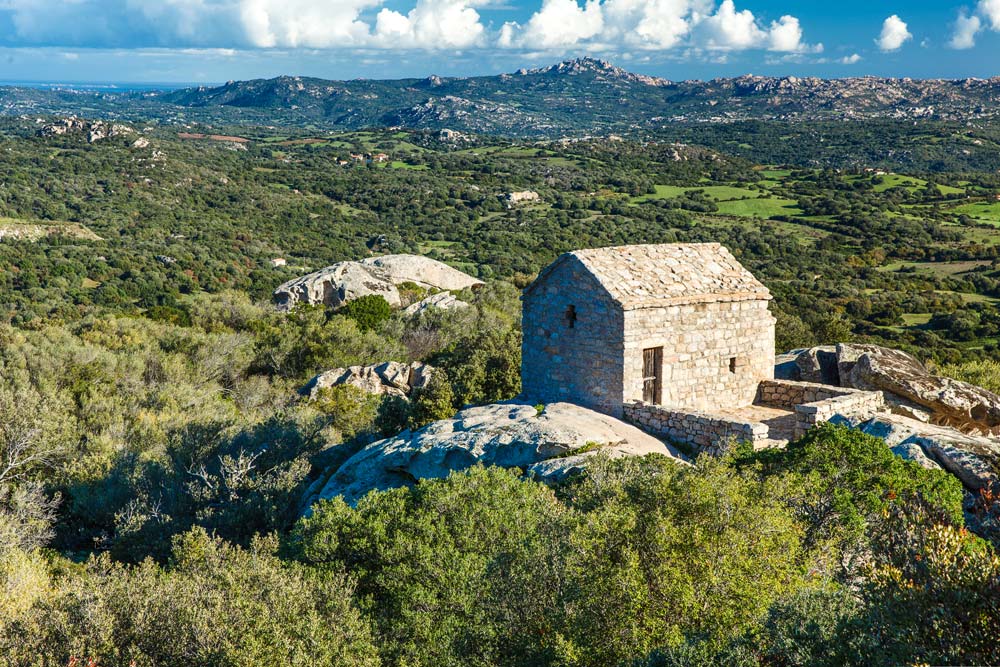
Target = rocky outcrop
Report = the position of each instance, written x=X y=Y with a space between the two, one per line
x=935 y=421
x=818 y=364
x=910 y=389
x=345 y=281
x=440 y=301
x=512 y=199
x=950 y=402
x=423 y=271
x=511 y=435
x=391 y=378
x=336 y=285
x=95 y=130
x=975 y=460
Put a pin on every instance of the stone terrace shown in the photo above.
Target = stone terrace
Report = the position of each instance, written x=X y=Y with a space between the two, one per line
x=783 y=411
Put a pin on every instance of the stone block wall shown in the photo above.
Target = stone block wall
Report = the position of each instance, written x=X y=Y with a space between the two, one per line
x=818 y=403
x=571 y=349
x=704 y=432
x=715 y=353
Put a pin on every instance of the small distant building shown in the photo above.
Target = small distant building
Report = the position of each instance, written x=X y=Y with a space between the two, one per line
x=380 y=157
x=278 y=262
x=676 y=338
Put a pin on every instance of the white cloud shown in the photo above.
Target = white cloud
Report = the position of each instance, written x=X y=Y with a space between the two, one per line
x=894 y=34
x=430 y=24
x=298 y=23
x=732 y=29
x=966 y=29
x=705 y=26
x=560 y=23
x=852 y=59
x=990 y=10
x=654 y=24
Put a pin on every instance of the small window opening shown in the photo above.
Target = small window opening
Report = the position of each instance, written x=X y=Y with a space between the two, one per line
x=732 y=364
x=571 y=317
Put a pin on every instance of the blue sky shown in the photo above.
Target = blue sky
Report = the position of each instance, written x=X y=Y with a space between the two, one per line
x=218 y=40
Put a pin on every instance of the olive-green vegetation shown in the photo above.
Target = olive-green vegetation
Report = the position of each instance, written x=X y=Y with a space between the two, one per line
x=850 y=252
x=156 y=444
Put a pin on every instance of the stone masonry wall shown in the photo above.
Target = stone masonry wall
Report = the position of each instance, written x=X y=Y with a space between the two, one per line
x=704 y=432
x=579 y=364
x=817 y=403
x=714 y=354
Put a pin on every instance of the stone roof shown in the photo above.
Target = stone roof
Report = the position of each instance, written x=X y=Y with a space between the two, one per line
x=649 y=276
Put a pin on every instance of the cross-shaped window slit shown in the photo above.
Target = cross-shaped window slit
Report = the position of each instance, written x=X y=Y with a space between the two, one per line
x=571 y=317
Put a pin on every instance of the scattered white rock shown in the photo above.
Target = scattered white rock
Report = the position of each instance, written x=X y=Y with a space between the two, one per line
x=95 y=130
x=512 y=199
x=391 y=378
x=441 y=301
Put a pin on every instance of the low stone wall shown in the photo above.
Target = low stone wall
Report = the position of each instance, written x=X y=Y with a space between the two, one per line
x=818 y=403
x=703 y=431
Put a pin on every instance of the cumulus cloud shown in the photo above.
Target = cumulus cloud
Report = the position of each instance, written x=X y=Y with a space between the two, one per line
x=894 y=34
x=852 y=59
x=654 y=24
x=966 y=29
x=559 y=23
x=442 y=23
x=968 y=26
x=180 y=23
x=990 y=10
x=705 y=26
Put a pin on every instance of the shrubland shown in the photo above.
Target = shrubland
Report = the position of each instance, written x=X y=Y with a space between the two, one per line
x=155 y=446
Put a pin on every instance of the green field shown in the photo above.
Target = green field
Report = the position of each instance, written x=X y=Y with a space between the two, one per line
x=937 y=268
x=988 y=211
x=759 y=208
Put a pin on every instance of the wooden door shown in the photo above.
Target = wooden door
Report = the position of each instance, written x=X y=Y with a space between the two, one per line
x=652 y=375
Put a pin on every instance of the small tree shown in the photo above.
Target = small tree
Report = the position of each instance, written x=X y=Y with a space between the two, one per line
x=368 y=311
x=433 y=402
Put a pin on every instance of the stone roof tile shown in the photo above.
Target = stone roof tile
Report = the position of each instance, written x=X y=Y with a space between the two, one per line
x=646 y=276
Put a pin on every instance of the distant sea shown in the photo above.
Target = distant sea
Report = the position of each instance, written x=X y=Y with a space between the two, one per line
x=107 y=87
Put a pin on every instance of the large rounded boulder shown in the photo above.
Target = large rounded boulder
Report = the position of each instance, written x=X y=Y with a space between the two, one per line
x=547 y=444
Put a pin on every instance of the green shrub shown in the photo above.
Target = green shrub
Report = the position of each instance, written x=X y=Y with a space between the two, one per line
x=368 y=311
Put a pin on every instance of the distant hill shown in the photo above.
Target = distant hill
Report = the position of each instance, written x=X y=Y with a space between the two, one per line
x=583 y=96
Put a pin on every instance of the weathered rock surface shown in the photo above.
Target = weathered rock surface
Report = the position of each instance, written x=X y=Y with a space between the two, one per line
x=510 y=435
x=441 y=300
x=950 y=402
x=391 y=378
x=910 y=389
x=512 y=199
x=95 y=130
x=345 y=281
x=336 y=285
x=975 y=460
x=423 y=271
x=818 y=365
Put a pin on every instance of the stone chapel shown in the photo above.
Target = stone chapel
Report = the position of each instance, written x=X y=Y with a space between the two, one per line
x=683 y=325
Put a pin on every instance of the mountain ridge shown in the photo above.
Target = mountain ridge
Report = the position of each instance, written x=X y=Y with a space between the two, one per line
x=583 y=96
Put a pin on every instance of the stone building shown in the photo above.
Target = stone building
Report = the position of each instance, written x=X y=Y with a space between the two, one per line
x=677 y=338
x=682 y=325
